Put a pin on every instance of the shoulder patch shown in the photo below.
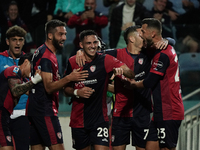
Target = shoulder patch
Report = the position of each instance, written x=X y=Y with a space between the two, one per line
x=15 y=70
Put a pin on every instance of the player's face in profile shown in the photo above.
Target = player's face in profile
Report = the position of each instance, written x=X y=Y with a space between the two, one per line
x=59 y=37
x=15 y=45
x=90 y=45
x=138 y=39
x=146 y=35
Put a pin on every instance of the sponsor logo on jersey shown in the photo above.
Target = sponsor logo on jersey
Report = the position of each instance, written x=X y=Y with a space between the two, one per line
x=141 y=74
x=92 y=68
x=157 y=64
x=15 y=70
x=87 y=82
x=140 y=61
x=59 y=135
x=8 y=138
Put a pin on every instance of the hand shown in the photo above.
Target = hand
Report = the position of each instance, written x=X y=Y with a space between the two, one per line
x=118 y=71
x=38 y=71
x=49 y=17
x=78 y=75
x=173 y=15
x=80 y=58
x=126 y=82
x=90 y=14
x=162 y=44
x=85 y=92
x=187 y=3
x=37 y=78
x=68 y=15
x=83 y=16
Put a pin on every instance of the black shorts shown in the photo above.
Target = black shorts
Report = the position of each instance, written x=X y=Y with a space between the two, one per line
x=166 y=132
x=45 y=130
x=5 y=134
x=20 y=130
x=122 y=127
x=96 y=135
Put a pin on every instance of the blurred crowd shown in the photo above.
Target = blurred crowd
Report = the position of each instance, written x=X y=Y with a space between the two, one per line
x=180 y=19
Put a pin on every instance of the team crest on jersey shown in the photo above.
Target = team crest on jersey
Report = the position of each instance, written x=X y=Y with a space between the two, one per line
x=113 y=138
x=59 y=135
x=93 y=68
x=15 y=70
x=140 y=61
x=8 y=138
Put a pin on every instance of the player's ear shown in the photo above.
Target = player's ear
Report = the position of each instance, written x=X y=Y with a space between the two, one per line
x=153 y=34
x=50 y=36
x=81 y=44
x=132 y=39
x=7 y=42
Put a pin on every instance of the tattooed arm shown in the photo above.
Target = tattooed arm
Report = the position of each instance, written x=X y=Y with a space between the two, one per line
x=17 y=88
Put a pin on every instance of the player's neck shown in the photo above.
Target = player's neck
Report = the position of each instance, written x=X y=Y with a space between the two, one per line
x=132 y=49
x=51 y=47
x=89 y=58
x=12 y=54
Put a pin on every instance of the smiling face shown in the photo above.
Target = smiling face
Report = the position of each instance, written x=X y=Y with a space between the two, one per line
x=90 y=46
x=15 y=46
x=159 y=5
x=91 y=3
x=13 y=12
x=59 y=37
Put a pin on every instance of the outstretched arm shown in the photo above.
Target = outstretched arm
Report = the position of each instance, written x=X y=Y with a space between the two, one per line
x=125 y=71
x=52 y=86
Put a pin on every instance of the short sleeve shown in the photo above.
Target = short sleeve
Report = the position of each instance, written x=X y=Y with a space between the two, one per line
x=46 y=65
x=111 y=62
x=160 y=64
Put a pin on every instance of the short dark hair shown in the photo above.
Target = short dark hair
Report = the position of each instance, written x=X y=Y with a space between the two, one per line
x=153 y=23
x=15 y=31
x=86 y=33
x=12 y=3
x=52 y=24
x=25 y=56
x=129 y=30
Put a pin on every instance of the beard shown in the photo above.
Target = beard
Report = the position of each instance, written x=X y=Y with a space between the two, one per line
x=149 y=43
x=56 y=44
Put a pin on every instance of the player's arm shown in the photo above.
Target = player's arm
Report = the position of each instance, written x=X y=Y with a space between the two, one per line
x=162 y=44
x=84 y=92
x=127 y=72
x=52 y=86
x=17 y=88
x=111 y=88
x=149 y=82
